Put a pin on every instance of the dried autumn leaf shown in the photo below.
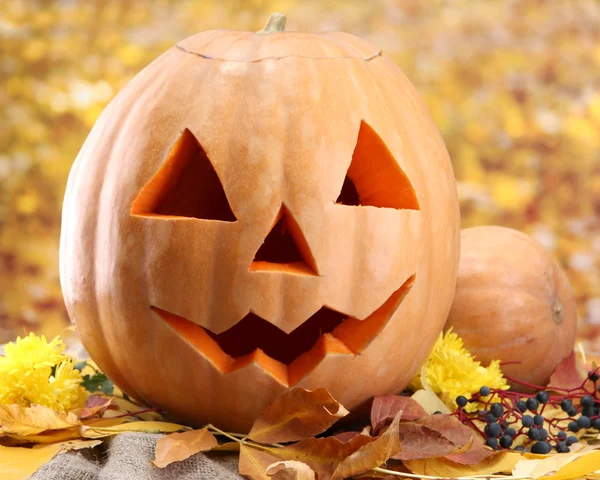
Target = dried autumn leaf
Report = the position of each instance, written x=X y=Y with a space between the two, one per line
x=227 y=447
x=21 y=421
x=179 y=446
x=568 y=374
x=104 y=422
x=323 y=455
x=18 y=463
x=147 y=427
x=385 y=408
x=295 y=415
x=461 y=436
x=77 y=444
x=290 y=470
x=47 y=437
x=254 y=462
x=373 y=454
x=473 y=455
x=419 y=441
x=524 y=467
x=95 y=405
x=98 y=401
x=449 y=426
x=567 y=466
x=500 y=462
x=346 y=436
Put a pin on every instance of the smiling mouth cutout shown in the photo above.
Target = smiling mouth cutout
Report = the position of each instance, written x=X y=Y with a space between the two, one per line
x=288 y=357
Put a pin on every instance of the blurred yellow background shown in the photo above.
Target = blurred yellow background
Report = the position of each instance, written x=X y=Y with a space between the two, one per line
x=514 y=87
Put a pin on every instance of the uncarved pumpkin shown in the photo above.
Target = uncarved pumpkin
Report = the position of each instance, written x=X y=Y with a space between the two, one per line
x=255 y=211
x=513 y=303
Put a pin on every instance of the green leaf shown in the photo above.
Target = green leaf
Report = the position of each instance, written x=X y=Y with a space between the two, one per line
x=80 y=365
x=98 y=381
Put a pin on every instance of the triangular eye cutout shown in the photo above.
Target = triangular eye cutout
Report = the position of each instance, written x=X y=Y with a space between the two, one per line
x=284 y=249
x=348 y=195
x=186 y=185
x=374 y=177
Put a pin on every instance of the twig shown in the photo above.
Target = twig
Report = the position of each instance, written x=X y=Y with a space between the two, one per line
x=241 y=439
x=245 y=437
x=210 y=426
x=131 y=414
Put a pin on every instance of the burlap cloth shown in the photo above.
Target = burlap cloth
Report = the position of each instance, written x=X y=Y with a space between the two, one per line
x=128 y=457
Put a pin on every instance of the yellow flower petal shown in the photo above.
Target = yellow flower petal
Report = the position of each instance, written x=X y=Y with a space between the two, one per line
x=452 y=371
x=35 y=371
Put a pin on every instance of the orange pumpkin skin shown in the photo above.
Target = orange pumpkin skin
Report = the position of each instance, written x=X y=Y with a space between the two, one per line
x=158 y=281
x=513 y=303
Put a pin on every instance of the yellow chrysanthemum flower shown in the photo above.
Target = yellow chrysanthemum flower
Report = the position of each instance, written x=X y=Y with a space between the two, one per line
x=452 y=371
x=31 y=353
x=35 y=371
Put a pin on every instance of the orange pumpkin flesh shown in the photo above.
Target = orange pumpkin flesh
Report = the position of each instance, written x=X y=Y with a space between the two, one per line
x=254 y=212
x=513 y=303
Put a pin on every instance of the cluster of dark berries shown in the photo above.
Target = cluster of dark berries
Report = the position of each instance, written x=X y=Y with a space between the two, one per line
x=511 y=415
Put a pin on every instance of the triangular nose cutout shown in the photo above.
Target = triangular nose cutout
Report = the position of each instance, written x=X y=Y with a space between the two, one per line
x=285 y=249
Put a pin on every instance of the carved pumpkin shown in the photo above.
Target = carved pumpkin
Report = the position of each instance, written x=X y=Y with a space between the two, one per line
x=256 y=211
x=513 y=303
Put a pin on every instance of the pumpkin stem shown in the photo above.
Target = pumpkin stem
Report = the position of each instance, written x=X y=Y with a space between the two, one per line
x=275 y=23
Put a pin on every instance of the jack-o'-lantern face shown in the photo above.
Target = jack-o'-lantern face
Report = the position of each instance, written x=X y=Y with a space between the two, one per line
x=188 y=187
x=287 y=220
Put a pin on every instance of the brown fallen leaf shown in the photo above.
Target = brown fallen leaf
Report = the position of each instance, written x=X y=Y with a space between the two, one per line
x=227 y=447
x=568 y=374
x=254 y=462
x=99 y=401
x=373 y=454
x=18 y=421
x=323 y=455
x=47 y=437
x=95 y=405
x=420 y=441
x=295 y=415
x=290 y=470
x=104 y=422
x=385 y=408
x=500 y=462
x=75 y=444
x=346 y=436
x=460 y=435
x=60 y=435
x=566 y=466
x=179 y=446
